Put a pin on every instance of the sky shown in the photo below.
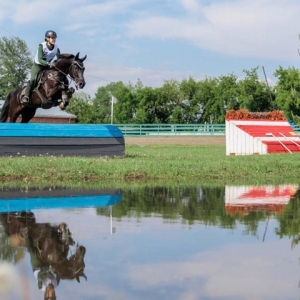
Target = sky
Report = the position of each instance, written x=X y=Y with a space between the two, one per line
x=158 y=40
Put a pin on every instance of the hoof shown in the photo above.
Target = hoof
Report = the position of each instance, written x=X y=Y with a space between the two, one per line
x=25 y=100
x=62 y=106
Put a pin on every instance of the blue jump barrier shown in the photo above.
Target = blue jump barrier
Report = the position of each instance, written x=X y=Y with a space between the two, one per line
x=17 y=139
x=17 y=201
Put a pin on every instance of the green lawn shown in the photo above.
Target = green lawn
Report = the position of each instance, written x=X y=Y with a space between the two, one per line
x=153 y=165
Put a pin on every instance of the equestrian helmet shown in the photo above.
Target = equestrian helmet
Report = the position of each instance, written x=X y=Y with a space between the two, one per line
x=50 y=33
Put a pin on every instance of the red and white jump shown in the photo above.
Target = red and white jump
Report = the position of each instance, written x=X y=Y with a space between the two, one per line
x=247 y=137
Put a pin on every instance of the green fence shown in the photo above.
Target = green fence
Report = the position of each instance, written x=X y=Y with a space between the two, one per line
x=295 y=127
x=172 y=129
x=178 y=129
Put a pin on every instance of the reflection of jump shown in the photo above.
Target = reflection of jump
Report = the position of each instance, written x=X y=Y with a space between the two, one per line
x=48 y=246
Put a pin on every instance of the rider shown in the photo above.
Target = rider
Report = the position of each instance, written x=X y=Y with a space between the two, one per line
x=47 y=50
x=50 y=292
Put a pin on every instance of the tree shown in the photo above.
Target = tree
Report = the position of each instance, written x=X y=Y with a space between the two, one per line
x=167 y=102
x=254 y=94
x=224 y=95
x=81 y=109
x=205 y=99
x=189 y=110
x=288 y=91
x=15 y=63
x=146 y=101
x=125 y=108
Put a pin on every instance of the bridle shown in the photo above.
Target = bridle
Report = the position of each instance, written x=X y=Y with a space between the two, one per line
x=71 y=70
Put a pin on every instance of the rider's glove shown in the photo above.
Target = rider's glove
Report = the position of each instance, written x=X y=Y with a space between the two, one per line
x=51 y=64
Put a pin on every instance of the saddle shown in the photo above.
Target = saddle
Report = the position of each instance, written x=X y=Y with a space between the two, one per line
x=39 y=80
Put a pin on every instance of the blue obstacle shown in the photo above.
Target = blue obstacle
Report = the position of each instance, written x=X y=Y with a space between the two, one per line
x=17 y=139
x=13 y=201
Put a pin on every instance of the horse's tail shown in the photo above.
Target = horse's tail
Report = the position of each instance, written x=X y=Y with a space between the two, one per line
x=5 y=109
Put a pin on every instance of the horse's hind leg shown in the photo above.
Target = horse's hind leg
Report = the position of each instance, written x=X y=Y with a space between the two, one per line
x=3 y=118
x=5 y=109
x=14 y=113
x=14 y=110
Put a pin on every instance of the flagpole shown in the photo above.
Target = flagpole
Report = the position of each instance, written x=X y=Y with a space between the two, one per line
x=112 y=110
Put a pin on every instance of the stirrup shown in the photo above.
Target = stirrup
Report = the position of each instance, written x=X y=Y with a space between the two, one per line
x=25 y=99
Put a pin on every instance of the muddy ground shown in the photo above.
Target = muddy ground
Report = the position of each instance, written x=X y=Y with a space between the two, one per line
x=175 y=140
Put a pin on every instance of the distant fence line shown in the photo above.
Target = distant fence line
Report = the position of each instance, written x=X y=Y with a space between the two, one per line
x=172 y=129
x=178 y=129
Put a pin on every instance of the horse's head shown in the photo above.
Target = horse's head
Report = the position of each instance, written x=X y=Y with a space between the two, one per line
x=76 y=71
x=73 y=66
x=73 y=267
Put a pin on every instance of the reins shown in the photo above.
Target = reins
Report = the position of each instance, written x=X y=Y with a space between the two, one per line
x=69 y=70
x=56 y=78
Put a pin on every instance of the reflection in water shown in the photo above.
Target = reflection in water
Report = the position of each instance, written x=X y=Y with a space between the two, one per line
x=168 y=243
x=48 y=246
x=19 y=200
x=243 y=199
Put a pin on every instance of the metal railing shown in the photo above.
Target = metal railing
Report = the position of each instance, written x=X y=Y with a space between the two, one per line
x=178 y=129
x=295 y=127
x=172 y=129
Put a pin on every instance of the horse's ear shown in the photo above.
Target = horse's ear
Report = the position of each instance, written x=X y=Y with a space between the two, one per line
x=82 y=59
x=77 y=56
x=78 y=276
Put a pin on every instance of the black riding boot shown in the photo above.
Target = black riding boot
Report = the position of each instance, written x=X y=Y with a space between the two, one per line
x=26 y=96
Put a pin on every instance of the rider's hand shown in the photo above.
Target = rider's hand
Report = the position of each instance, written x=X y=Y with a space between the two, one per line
x=51 y=64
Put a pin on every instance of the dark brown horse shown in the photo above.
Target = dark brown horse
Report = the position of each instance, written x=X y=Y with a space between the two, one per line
x=51 y=89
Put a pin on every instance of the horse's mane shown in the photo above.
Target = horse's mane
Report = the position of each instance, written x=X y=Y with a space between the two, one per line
x=66 y=55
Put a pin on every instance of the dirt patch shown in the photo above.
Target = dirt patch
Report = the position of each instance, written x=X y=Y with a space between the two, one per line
x=175 y=140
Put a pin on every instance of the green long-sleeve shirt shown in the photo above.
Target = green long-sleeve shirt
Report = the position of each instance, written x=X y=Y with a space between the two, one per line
x=36 y=68
x=40 y=55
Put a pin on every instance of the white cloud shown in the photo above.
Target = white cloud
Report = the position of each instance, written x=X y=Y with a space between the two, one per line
x=233 y=272
x=96 y=76
x=28 y=12
x=191 y=6
x=114 y=32
x=250 y=28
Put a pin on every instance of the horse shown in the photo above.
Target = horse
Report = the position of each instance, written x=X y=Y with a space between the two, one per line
x=51 y=89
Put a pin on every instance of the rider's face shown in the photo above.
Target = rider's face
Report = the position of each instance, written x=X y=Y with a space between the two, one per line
x=50 y=293
x=51 y=40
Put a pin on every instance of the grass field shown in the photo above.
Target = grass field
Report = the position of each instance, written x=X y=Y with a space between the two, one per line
x=162 y=161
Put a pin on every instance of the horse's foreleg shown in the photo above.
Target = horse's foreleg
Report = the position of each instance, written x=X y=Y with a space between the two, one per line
x=27 y=114
x=66 y=96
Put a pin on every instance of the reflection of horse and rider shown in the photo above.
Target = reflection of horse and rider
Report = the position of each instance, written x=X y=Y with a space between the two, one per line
x=48 y=246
